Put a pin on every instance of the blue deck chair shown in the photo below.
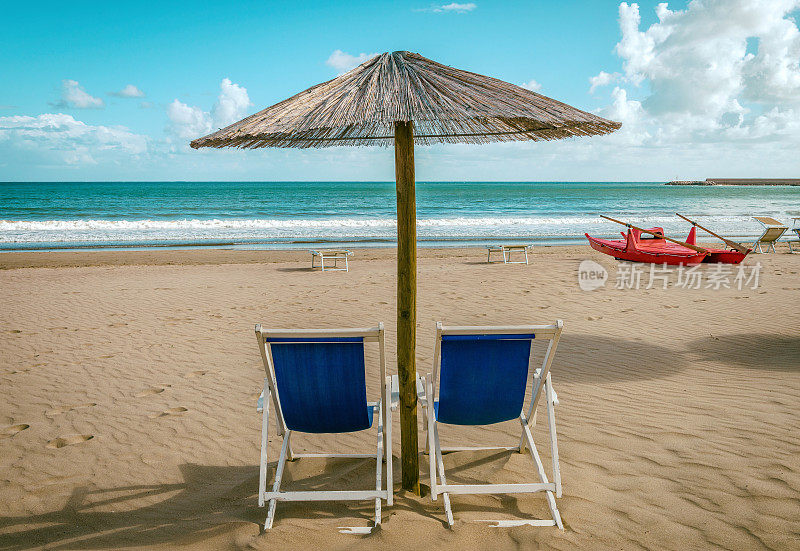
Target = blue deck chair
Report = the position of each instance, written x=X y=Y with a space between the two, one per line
x=315 y=379
x=481 y=374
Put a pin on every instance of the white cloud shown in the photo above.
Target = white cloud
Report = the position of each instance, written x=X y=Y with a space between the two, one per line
x=129 y=91
x=188 y=122
x=453 y=7
x=697 y=78
x=531 y=85
x=343 y=62
x=601 y=79
x=231 y=105
x=56 y=139
x=73 y=95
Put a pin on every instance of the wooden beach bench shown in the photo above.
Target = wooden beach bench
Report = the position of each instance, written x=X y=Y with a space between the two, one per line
x=507 y=251
x=331 y=255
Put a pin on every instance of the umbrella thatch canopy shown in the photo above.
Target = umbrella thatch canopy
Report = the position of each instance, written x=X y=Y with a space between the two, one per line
x=400 y=99
x=446 y=105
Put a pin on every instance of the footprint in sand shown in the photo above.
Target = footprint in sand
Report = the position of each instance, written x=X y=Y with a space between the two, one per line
x=64 y=409
x=62 y=441
x=149 y=392
x=193 y=374
x=8 y=432
x=170 y=411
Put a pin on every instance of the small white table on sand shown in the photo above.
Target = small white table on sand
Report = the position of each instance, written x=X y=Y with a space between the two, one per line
x=331 y=254
x=507 y=250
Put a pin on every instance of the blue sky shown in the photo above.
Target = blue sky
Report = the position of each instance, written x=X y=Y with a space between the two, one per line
x=689 y=82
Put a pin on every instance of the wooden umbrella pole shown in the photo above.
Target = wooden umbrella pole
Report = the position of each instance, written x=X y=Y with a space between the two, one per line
x=407 y=301
x=732 y=244
x=661 y=235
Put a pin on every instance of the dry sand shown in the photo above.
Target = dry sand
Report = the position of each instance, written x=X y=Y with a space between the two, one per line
x=129 y=382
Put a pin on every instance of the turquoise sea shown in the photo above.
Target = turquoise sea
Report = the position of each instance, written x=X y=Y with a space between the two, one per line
x=42 y=215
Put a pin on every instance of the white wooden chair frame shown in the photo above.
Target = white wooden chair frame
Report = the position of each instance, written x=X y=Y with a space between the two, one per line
x=382 y=418
x=331 y=254
x=427 y=394
x=507 y=250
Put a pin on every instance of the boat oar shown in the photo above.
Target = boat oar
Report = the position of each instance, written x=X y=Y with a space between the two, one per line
x=732 y=244
x=661 y=235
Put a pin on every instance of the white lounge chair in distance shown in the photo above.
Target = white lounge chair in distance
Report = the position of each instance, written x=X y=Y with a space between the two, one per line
x=479 y=378
x=315 y=380
x=773 y=230
x=507 y=251
x=796 y=237
x=334 y=255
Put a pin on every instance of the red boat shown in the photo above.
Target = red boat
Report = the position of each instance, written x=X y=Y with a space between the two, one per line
x=724 y=256
x=638 y=248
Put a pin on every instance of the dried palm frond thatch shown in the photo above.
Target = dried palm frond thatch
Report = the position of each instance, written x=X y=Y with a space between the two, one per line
x=445 y=104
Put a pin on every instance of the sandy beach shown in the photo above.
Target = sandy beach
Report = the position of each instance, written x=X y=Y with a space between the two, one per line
x=129 y=382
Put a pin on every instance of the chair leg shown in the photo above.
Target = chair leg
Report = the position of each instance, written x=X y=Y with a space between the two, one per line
x=551 y=425
x=379 y=462
x=262 y=471
x=551 y=502
x=278 y=474
x=387 y=407
x=429 y=442
x=445 y=495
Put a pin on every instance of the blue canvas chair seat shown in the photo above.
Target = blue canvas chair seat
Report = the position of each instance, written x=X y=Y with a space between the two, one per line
x=483 y=377
x=321 y=382
x=316 y=382
x=479 y=378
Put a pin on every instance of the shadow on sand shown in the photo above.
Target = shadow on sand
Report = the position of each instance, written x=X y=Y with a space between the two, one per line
x=298 y=269
x=215 y=500
x=765 y=351
x=210 y=500
x=596 y=359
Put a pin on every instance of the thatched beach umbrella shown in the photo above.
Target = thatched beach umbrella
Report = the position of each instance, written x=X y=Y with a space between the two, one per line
x=400 y=99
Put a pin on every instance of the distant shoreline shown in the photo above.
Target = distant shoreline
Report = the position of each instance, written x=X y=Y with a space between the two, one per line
x=737 y=182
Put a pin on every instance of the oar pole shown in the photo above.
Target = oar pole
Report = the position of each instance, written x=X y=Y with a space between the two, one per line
x=733 y=244
x=406 y=302
x=661 y=235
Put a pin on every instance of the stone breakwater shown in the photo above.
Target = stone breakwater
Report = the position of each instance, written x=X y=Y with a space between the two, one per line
x=737 y=182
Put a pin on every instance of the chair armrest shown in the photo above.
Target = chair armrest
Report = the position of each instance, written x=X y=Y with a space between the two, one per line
x=422 y=397
x=394 y=399
x=537 y=375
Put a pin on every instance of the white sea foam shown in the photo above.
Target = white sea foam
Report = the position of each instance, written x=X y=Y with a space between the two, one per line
x=90 y=230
